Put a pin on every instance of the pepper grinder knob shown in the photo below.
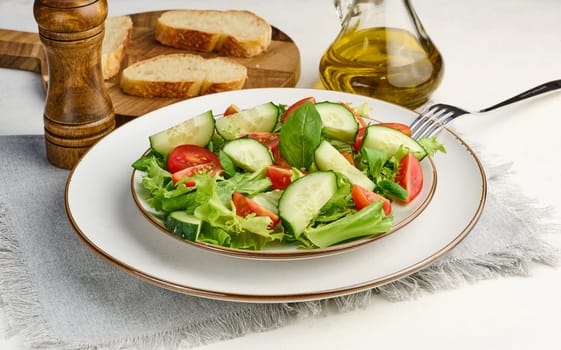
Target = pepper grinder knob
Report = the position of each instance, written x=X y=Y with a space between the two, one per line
x=78 y=110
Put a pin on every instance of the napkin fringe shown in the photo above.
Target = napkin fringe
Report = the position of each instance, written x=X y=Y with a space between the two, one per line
x=18 y=299
x=457 y=272
x=23 y=313
x=263 y=318
x=21 y=306
x=514 y=261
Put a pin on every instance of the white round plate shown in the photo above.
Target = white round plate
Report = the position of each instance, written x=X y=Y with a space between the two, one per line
x=102 y=211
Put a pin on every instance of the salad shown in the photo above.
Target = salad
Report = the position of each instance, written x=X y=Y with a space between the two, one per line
x=313 y=174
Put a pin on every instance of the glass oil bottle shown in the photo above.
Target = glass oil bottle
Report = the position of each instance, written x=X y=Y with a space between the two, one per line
x=382 y=51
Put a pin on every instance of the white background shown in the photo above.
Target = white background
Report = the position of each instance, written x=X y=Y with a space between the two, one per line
x=492 y=50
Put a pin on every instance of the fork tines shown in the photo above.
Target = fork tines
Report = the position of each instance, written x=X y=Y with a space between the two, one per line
x=433 y=120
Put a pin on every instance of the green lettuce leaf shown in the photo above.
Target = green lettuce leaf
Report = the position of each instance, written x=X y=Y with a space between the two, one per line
x=144 y=162
x=246 y=183
x=216 y=209
x=369 y=221
x=157 y=182
x=340 y=204
x=431 y=145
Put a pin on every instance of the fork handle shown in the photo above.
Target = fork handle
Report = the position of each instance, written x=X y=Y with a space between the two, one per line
x=538 y=90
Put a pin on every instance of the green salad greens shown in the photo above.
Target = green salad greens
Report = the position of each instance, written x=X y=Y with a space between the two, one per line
x=302 y=194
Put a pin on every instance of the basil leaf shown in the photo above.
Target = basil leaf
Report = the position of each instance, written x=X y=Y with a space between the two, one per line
x=392 y=189
x=227 y=164
x=300 y=135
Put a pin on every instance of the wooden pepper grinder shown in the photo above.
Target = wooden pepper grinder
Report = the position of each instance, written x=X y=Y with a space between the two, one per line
x=78 y=110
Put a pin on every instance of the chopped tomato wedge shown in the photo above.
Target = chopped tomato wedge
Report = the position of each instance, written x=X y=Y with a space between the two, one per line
x=184 y=156
x=399 y=127
x=277 y=156
x=188 y=160
x=358 y=139
x=348 y=157
x=232 y=109
x=363 y=197
x=410 y=176
x=245 y=206
x=265 y=138
x=295 y=105
x=192 y=171
x=280 y=177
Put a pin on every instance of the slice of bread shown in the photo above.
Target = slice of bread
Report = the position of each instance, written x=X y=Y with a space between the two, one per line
x=233 y=32
x=117 y=38
x=182 y=76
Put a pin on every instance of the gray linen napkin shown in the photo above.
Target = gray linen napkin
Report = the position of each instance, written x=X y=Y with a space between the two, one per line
x=59 y=294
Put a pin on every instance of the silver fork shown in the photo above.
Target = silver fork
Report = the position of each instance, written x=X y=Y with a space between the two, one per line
x=433 y=120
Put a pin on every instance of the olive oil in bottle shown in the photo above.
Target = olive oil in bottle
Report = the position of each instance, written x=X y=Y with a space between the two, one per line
x=390 y=64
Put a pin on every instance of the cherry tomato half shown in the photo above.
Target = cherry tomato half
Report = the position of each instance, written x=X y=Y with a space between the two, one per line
x=295 y=105
x=184 y=156
x=280 y=177
x=349 y=158
x=265 y=138
x=232 y=109
x=358 y=139
x=193 y=170
x=410 y=176
x=363 y=197
x=245 y=206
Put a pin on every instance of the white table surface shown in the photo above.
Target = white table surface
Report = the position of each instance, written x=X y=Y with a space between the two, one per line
x=492 y=50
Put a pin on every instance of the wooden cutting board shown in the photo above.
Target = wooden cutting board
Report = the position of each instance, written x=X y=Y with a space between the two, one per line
x=278 y=67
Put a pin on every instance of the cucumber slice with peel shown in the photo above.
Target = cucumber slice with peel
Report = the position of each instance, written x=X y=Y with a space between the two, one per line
x=328 y=157
x=389 y=140
x=194 y=131
x=262 y=118
x=303 y=199
x=248 y=154
x=183 y=225
x=338 y=121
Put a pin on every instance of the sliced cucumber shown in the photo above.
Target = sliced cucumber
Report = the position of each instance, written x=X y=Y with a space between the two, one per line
x=262 y=118
x=248 y=154
x=338 y=121
x=183 y=225
x=389 y=140
x=268 y=200
x=303 y=199
x=328 y=157
x=195 y=131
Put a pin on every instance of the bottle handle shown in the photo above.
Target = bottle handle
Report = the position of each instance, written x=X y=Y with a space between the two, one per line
x=343 y=7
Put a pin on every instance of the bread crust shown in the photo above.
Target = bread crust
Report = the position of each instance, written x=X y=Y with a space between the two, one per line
x=186 y=39
x=211 y=88
x=176 y=89
x=145 y=87
x=206 y=41
x=233 y=47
